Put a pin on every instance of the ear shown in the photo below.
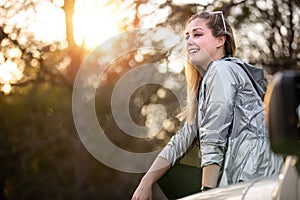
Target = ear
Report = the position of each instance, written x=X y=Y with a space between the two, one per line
x=221 y=40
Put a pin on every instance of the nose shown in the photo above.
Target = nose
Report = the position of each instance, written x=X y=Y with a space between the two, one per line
x=189 y=41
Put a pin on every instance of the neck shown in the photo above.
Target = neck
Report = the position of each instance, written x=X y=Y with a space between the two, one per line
x=219 y=55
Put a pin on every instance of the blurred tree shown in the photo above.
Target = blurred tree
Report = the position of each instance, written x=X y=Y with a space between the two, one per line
x=74 y=52
x=41 y=155
x=268 y=33
x=30 y=57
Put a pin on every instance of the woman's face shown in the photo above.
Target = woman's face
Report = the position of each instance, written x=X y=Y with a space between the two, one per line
x=202 y=46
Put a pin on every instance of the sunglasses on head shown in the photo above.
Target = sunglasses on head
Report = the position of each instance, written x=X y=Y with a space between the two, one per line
x=222 y=16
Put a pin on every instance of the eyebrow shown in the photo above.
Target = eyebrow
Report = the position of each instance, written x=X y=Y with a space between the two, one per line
x=195 y=29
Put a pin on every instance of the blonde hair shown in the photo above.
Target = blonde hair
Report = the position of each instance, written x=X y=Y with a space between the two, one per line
x=218 y=26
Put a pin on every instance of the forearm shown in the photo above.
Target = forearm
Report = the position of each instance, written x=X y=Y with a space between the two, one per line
x=144 y=191
x=159 y=167
x=210 y=175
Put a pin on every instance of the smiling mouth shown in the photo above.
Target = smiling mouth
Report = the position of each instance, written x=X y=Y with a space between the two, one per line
x=191 y=51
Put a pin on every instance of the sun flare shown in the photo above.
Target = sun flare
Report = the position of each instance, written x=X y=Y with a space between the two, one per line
x=94 y=23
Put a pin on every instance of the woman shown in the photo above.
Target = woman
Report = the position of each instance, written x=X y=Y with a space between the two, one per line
x=227 y=119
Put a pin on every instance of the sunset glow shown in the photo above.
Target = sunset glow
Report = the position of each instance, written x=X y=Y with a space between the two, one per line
x=94 y=23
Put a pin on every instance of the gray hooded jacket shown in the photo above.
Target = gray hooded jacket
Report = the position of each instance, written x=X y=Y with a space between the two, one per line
x=231 y=125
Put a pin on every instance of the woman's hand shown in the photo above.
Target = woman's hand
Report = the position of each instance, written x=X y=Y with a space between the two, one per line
x=143 y=192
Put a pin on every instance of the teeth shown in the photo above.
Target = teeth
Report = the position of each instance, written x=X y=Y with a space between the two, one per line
x=193 y=50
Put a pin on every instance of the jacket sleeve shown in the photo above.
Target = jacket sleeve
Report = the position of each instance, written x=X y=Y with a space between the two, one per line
x=179 y=143
x=216 y=112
